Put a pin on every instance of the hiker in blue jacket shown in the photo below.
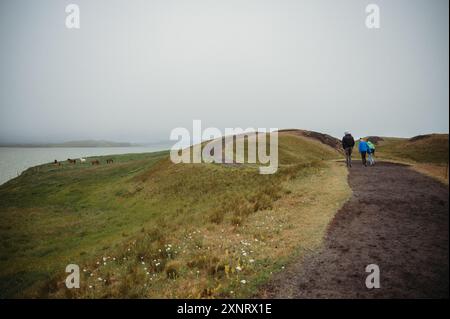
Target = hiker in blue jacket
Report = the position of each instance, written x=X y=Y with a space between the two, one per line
x=363 y=149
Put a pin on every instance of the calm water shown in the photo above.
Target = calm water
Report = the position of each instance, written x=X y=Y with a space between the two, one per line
x=14 y=160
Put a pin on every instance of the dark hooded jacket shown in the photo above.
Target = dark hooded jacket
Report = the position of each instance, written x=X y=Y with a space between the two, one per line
x=348 y=141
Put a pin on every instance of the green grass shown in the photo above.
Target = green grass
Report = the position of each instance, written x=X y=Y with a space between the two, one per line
x=431 y=149
x=50 y=213
x=131 y=210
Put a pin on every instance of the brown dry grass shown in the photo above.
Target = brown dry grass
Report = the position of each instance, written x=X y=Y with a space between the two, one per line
x=439 y=172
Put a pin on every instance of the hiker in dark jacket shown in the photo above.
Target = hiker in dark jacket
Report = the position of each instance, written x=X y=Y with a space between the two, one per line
x=348 y=142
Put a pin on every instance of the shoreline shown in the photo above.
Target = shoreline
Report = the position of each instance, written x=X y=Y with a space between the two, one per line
x=16 y=160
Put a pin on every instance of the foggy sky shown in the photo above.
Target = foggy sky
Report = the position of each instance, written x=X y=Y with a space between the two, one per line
x=137 y=69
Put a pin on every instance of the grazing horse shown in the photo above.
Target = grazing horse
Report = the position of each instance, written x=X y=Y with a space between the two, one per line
x=95 y=162
x=82 y=160
x=72 y=161
x=110 y=160
x=56 y=163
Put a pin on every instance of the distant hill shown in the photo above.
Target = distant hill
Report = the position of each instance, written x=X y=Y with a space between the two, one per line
x=321 y=137
x=82 y=143
x=430 y=148
x=427 y=153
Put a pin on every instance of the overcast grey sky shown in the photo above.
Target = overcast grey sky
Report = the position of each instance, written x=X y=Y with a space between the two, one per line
x=137 y=69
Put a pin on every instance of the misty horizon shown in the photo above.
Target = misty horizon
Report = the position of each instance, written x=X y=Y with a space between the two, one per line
x=133 y=72
x=166 y=141
x=51 y=142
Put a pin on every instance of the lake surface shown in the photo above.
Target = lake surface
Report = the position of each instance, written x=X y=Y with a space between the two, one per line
x=14 y=160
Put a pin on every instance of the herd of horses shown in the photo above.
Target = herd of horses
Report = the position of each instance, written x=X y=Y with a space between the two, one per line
x=83 y=160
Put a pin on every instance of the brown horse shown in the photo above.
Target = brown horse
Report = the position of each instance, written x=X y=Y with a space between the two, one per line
x=72 y=161
x=109 y=161
x=56 y=163
x=95 y=162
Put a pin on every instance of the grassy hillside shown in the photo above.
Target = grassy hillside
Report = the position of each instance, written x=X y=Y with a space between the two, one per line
x=427 y=154
x=145 y=227
x=421 y=149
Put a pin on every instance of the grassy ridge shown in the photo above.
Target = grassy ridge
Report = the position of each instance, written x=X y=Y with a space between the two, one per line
x=144 y=227
x=428 y=149
x=427 y=154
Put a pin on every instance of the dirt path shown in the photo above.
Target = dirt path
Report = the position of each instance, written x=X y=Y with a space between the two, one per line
x=397 y=219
